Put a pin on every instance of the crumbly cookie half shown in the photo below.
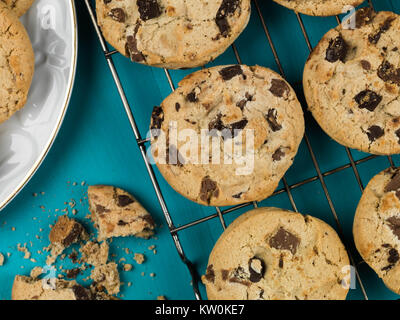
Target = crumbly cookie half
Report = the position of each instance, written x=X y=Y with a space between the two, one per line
x=245 y=125
x=172 y=33
x=19 y=6
x=376 y=227
x=273 y=254
x=320 y=7
x=16 y=63
x=352 y=83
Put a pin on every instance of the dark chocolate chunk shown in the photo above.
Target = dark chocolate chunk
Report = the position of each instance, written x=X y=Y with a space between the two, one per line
x=239 y=275
x=366 y=65
x=227 y=8
x=279 y=88
x=73 y=273
x=191 y=96
x=124 y=200
x=374 y=38
x=117 y=14
x=388 y=73
x=242 y=103
x=237 y=196
x=394 y=224
x=81 y=293
x=73 y=236
x=364 y=16
x=229 y=72
x=157 y=118
x=256 y=269
x=177 y=107
x=228 y=132
x=224 y=274
x=374 y=133
x=210 y=274
x=122 y=223
x=394 y=184
x=131 y=47
x=237 y=126
x=393 y=256
x=368 y=99
x=216 y=124
x=272 y=120
x=101 y=209
x=397 y=133
x=148 y=9
x=278 y=155
x=284 y=240
x=337 y=50
x=208 y=189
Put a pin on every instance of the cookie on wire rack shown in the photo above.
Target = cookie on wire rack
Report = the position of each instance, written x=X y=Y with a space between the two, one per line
x=228 y=134
x=172 y=34
x=273 y=254
x=17 y=63
x=376 y=227
x=320 y=8
x=352 y=83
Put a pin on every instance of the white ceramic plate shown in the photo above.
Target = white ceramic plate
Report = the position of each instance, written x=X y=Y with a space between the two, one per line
x=26 y=138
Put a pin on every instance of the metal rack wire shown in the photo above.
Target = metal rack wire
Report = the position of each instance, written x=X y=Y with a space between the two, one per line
x=320 y=176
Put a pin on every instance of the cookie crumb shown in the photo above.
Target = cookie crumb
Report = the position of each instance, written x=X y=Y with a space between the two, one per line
x=139 y=258
x=161 y=298
x=128 y=267
x=1 y=260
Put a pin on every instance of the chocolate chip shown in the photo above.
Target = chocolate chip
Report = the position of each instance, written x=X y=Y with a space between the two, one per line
x=124 y=200
x=388 y=73
x=242 y=103
x=117 y=14
x=366 y=65
x=284 y=240
x=191 y=96
x=148 y=9
x=368 y=99
x=256 y=269
x=394 y=225
x=73 y=273
x=208 y=189
x=216 y=124
x=177 y=107
x=101 y=209
x=278 y=155
x=157 y=118
x=174 y=157
x=228 y=132
x=337 y=50
x=279 y=88
x=237 y=196
x=81 y=293
x=131 y=49
x=237 y=126
x=374 y=38
x=107 y=1
x=272 y=120
x=227 y=8
x=224 y=274
x=394 y=184
x=393 y=256
x=73 y=236
x=229 y=72
x=364 y=16
x=374 y=133
x=210 y=274
x=122 y=223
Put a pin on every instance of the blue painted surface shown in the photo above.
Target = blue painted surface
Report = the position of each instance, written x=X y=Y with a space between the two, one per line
x=96 y=145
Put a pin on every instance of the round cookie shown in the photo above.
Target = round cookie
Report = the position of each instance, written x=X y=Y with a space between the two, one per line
x=352 y=83
x=273 y=254
x=376 y=227
x=319 y=7
x=172 y=33
x=227 y=135
x=19 y=6
x=16 y=63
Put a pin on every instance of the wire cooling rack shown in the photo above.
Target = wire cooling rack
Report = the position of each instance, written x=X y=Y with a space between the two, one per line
x=220 y=213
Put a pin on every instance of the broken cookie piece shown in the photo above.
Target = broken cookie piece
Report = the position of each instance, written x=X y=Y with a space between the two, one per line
x=117 y=213
x=95 y=254
x=106 y=277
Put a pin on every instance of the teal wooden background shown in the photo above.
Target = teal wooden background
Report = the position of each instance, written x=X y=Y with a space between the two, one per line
x=96 y=145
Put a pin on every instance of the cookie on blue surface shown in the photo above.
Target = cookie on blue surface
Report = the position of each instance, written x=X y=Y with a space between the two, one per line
x=376 y=227
x=274 y=254
x=318 y=7
x=352 y=83
x=227 y=135
x=172 y=34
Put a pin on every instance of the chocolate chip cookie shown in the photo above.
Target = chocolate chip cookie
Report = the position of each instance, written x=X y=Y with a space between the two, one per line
x=227 y=135
x=19 y=6
x=172 y=33
x=320 y=7
x=352 y=83
x=273 y=254
x=376 y=227
x=116 y=213
x=16 y=63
